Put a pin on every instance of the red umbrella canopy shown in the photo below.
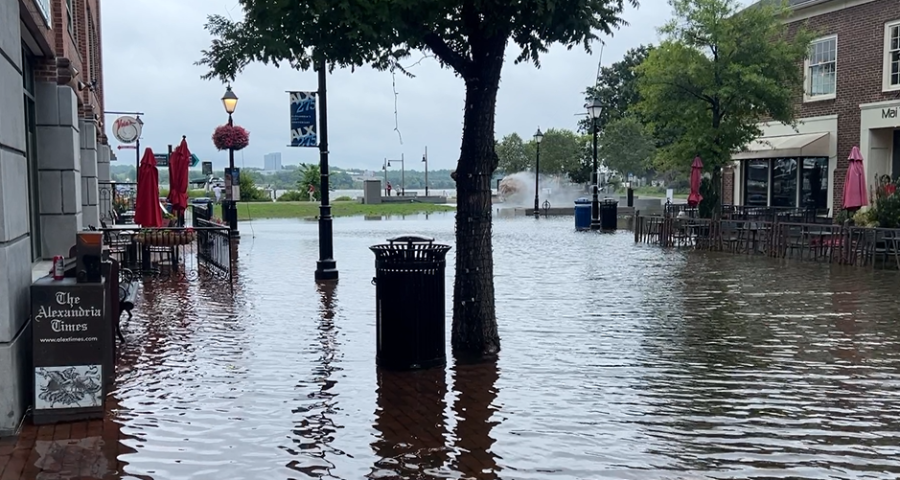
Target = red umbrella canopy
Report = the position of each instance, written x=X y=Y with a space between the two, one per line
x=695 y=198
x=178 y=176
x=147 y=212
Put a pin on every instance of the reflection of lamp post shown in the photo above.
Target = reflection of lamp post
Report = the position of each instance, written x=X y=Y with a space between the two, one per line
x=425 y=159
x=594 y=108
x=402 y=173
x=230 y=101
x=538 y=136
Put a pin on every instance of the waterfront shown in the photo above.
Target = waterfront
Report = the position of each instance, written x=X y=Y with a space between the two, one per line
x=619 y=361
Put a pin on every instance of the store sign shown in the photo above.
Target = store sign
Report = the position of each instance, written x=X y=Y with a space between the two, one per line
x=44 y=7
x=890 y=112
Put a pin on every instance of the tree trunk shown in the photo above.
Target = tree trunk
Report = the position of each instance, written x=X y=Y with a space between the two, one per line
x=474 y=313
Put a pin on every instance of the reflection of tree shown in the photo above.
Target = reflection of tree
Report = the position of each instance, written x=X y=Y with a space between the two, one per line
x=474 y=408
x=410 y=419
x=314 y=427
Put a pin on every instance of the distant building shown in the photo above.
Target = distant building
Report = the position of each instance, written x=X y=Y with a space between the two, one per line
x=272 y=162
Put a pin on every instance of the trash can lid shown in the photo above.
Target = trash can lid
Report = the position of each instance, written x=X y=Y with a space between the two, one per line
x=610 y=201
x=582 y=201
x=411 y=239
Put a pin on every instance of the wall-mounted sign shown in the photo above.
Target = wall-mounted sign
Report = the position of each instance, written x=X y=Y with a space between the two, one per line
x=890 y=112
x=44 y=7
x=127 y=129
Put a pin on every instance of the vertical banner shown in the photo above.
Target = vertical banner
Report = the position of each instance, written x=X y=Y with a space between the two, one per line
x=303 y=119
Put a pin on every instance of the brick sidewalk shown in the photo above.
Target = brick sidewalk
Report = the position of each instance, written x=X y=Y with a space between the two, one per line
x=69 y=451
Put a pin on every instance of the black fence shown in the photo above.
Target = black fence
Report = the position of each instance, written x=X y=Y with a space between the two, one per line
x=749 y=212
x=826 y=243
x=114 y=199
x=172 y=253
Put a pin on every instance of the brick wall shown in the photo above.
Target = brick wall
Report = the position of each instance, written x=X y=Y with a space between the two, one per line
x=728 y=185
x=860 y=56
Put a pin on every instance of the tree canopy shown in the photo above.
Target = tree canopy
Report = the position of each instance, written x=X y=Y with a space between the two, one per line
x=512 y=154
x=617 y=88
x=718 y=73
x=626 y=147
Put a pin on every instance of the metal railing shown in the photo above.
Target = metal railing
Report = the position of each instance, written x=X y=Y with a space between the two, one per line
x=172 y=253
x=111 y=192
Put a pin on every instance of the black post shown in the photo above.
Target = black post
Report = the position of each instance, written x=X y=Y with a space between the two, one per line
x=230 y=205
x=537 y=183
x=425 y=159
x=629 y=196
x=326 y=267
x=595 y=202
x=137 y=161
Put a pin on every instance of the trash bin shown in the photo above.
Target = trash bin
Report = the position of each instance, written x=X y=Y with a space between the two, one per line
x=410 y=307
x=583 y=214
x=609 y=213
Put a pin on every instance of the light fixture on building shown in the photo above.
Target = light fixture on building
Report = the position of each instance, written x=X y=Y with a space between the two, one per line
x=81 y=85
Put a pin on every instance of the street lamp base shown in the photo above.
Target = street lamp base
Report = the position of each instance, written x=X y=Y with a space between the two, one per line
x=326 y=271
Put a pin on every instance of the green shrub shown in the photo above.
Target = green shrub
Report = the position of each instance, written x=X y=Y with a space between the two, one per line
x=293 y=196
x=343 y=198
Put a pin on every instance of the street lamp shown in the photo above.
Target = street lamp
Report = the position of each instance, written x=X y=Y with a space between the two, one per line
x=402 y=173
x=594 y=108
x=230 y=100
x=425 y=159
x=538 y=136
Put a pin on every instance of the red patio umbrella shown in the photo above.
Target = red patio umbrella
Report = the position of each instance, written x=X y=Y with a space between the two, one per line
x=695 y=198
x=178 y=176
x=147 y=212
x=855 y=193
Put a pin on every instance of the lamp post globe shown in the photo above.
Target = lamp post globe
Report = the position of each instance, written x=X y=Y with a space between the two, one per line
x=538 y=137
x=594 y=109
x=229 y=100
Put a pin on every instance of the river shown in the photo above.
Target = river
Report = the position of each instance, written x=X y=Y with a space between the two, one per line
x=619 y=361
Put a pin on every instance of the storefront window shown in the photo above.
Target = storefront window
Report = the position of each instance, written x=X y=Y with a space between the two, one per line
x=814 y=183
x=34 y=197
x=784 y=182
x=756 y=183
x=796 y=182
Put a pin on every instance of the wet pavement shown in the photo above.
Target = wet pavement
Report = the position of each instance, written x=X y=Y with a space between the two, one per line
x=619 y=361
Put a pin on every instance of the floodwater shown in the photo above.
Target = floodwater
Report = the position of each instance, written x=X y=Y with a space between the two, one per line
x=619 y=361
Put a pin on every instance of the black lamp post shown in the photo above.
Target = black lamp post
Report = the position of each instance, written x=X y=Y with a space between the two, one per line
x=402 y=161
x=326 y=266
x=230 y=100
x=538 y=136
x=425 y=159
x=594 y=108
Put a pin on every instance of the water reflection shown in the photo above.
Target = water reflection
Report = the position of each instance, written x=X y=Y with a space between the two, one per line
x=474 y=410
x=411 y=425
x=314 y=416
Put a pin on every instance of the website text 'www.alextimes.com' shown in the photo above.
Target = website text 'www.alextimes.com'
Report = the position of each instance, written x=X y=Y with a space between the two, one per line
x=68 y=339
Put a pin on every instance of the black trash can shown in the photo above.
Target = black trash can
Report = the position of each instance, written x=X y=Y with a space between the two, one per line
x=609 y=213
x=410 y=307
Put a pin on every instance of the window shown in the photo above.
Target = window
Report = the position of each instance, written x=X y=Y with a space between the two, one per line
x=756 y=183
x=70 y=16
x=795 y=182
x=892 y=56
x=821 y=69
x=34 y=197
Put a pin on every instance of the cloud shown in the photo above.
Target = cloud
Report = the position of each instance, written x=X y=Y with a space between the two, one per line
x=150 y=46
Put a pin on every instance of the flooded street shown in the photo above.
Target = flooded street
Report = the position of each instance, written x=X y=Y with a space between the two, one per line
x=619 y=361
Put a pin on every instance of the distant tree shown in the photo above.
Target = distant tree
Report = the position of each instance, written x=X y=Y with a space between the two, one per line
x=617 y=88
x=311 y=175
x=512 y=155
x=626 y=147
x=560 y=151
x=718 y=73
x=250 y=192
x=470 y=37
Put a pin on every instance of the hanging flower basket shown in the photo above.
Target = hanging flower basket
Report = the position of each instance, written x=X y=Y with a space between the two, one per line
x=230 y=137
x=166 y=238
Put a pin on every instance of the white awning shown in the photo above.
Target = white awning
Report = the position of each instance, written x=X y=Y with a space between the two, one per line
x=801 y=145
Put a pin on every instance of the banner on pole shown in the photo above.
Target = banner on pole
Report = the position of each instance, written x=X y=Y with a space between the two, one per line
x=303 y=119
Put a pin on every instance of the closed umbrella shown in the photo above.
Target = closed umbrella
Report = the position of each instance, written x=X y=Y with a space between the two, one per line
x=855 y=194
x=695 y=198
x=147 y=212
x=178 y=177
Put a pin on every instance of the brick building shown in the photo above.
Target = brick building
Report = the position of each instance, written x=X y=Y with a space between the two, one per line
x=851 y=98
x=52 y=150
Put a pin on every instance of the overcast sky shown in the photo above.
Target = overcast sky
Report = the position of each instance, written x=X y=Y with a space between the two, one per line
x=150 y=46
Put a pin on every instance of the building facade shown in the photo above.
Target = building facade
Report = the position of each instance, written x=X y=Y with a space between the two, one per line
x=53 y=148
x=851 y=98
x=272 y=162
